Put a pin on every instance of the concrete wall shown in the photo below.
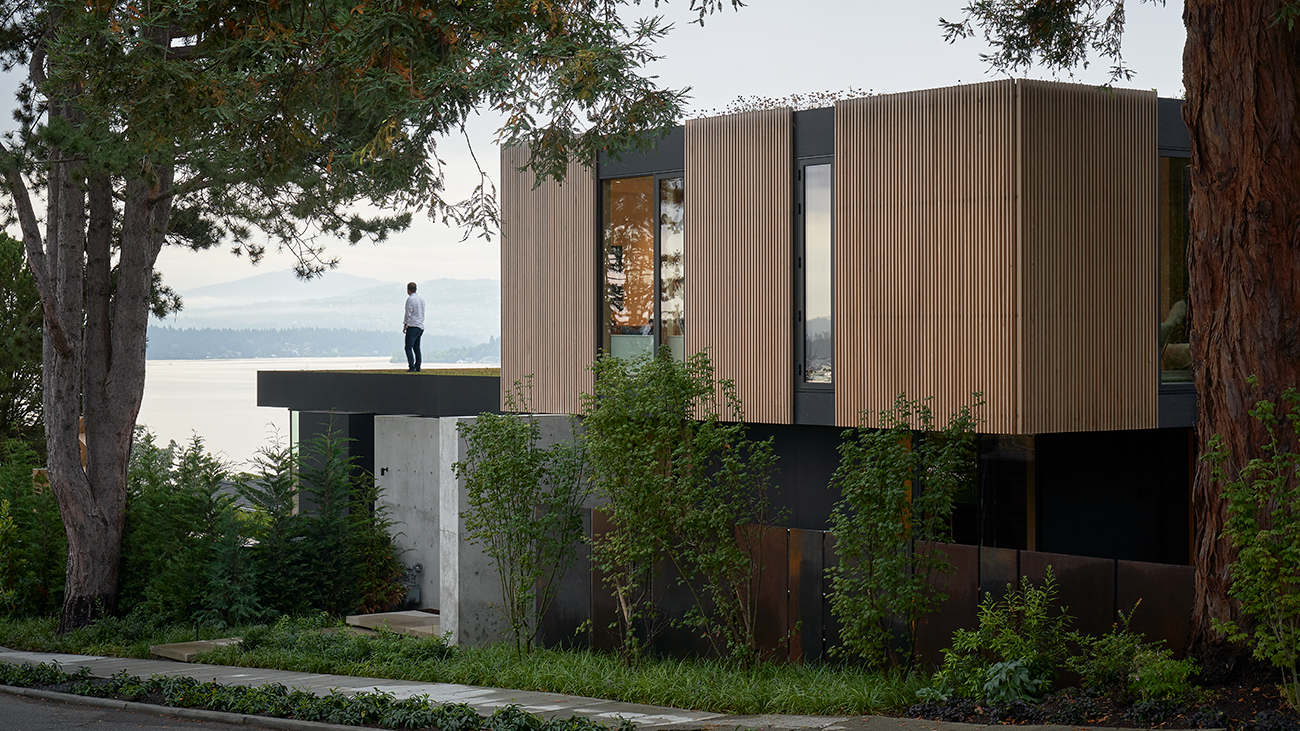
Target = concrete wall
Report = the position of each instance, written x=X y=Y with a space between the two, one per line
x=470 y=601
x=407 y=469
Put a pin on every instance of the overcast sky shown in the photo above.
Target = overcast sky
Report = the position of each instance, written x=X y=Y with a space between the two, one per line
x=770 y=48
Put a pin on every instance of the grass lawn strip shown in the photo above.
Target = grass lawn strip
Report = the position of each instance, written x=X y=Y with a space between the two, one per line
x=380 y=710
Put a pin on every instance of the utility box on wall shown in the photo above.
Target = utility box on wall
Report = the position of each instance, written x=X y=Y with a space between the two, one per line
x=407 y=459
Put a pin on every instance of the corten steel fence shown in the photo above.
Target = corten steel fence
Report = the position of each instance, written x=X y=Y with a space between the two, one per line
x=796 y=624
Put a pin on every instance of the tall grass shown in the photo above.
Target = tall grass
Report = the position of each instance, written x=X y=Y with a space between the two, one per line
x=318 y=645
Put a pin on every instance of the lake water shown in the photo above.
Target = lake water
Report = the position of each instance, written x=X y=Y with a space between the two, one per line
x=217 y=399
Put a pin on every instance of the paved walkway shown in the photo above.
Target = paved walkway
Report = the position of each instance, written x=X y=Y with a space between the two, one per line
x=487 y=700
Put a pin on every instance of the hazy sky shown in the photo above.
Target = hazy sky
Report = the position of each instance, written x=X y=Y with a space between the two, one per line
x=770 y=48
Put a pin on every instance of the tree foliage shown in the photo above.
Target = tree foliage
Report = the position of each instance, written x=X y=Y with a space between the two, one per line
x=204 y=123
x=525 y=507
x=1264 y=525
x=897 y=487
x=684 y=487
x=1057 y=35
x=20 y=347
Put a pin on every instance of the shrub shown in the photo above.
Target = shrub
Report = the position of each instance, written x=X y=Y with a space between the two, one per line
x=897 y=486
x=1121 y=663
x=669 y=452
x=525 y=506
x=174 y=512
x=1016 y=650
x=1264 y=525
x=34 y=550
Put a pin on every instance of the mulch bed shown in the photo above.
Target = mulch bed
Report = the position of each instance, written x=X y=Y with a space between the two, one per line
x=1244 y=698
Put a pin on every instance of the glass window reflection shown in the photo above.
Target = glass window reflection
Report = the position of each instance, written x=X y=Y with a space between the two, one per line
x=672 y=266
x=1175 y=317
x=819 y=347
x=627 y=208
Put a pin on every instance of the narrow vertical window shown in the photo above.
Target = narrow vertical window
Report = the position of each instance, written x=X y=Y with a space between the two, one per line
x=1175 y=315
x=627 y=210
x=672 y=266
x=818 y=343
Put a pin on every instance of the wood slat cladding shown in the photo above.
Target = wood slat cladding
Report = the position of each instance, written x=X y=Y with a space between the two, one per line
x=998 y=237
x=925 y=252
x=548 y=282
x=739 y=247
x=1088 y=258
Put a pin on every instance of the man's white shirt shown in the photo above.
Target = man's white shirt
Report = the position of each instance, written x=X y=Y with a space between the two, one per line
x=414 y=311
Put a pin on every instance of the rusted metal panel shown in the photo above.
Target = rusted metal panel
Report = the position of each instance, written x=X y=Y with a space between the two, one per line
x=604 y=609
x=999 y=567
x=1167 y=593
x=1086 y=585
x=957 y=611
x=769 y=546
x=674 y=599
x=831 y=625
x=805 y=611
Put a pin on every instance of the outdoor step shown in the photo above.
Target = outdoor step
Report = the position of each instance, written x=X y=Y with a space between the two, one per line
x=185 y=651
x=413 y=622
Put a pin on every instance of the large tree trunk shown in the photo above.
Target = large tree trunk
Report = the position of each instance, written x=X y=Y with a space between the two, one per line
x=1242 y=75
x=94 y=352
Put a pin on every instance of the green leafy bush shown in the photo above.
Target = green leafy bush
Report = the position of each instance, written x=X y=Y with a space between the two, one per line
x=174 y=512
x=1019 y=629
x=897 y=485
x=1121 y=663
x=33 y=551
x=1264 y=525
x=668 y=451
x=1157 y=676
x=525 y=507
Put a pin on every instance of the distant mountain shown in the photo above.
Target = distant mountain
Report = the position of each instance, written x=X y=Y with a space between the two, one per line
x=464 y=308
x=282 y=286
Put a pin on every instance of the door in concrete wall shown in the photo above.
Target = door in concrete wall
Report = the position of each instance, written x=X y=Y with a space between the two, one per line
x=406 y=470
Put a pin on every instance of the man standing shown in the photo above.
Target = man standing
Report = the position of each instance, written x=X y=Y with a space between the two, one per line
x=413 y=326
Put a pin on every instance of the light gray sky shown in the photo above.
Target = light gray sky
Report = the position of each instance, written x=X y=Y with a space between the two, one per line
x=771 y=48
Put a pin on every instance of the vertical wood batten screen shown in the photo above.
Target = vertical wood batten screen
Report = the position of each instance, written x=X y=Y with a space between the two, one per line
x=1089 y=182
x=739 y=246
x=925 y=252
x=548 y=282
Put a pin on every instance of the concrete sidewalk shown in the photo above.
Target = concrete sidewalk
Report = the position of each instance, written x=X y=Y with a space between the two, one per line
x=488 y=700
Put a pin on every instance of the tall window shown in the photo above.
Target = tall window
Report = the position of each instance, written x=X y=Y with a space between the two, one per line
x=813 y=272
x=1175 y=315
x=644 y=265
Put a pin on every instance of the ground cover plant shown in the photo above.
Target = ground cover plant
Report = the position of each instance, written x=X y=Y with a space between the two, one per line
x=369 y=709
x=318 y=644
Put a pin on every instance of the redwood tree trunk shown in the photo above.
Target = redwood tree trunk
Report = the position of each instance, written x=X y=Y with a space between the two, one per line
x=1242 y=77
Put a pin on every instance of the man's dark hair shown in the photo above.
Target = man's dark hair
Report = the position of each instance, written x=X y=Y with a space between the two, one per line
x=410 y=288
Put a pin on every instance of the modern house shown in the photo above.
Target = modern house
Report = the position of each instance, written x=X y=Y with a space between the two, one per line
x=1020 y=239
x=1023 y=239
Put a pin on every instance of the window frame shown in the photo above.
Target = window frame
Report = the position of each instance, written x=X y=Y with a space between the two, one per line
x=602 y=303
x=800 y=277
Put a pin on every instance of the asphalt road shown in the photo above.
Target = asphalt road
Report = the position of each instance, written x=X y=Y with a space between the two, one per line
x=33 y=714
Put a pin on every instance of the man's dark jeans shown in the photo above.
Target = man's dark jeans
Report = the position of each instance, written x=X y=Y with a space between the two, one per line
x=413 y=348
